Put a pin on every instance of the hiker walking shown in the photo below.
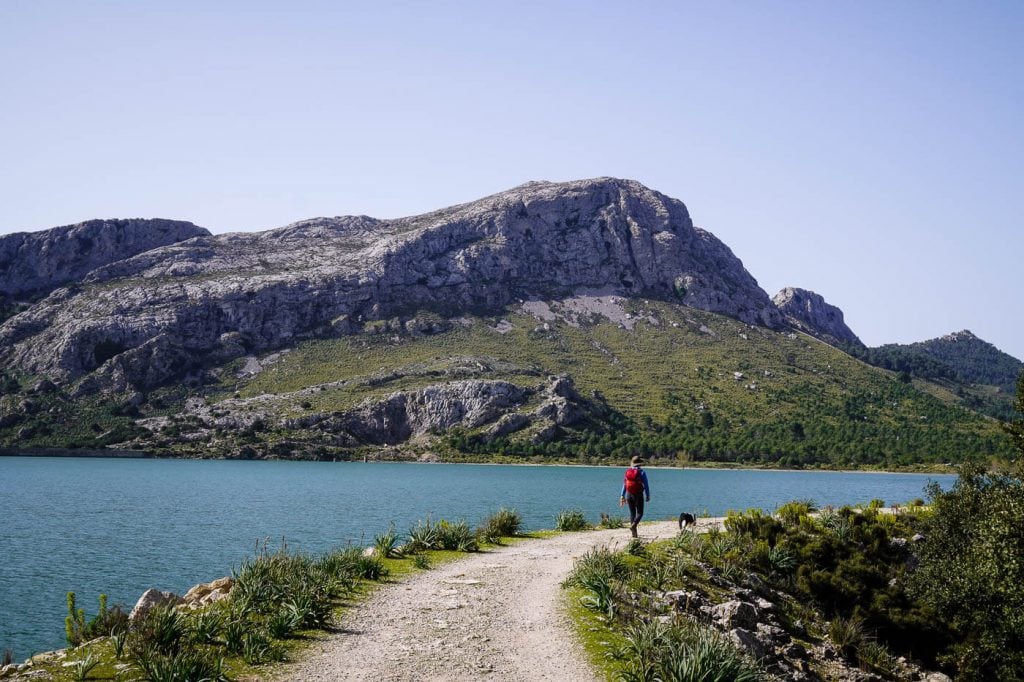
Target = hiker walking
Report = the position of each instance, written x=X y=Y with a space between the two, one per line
x=635 y=491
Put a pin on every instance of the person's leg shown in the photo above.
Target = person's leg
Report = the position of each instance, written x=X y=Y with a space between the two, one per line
x=636 y=510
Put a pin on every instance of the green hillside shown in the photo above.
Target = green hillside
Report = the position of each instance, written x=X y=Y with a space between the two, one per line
x=979 y=376
x=680 y=384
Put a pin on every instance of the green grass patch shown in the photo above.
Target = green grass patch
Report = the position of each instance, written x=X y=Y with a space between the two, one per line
x=595 y=634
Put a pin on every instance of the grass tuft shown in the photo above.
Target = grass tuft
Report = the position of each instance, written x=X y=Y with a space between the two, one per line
x=571 y=520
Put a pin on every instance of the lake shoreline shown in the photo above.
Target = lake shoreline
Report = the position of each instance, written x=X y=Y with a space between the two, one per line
x=85 y=453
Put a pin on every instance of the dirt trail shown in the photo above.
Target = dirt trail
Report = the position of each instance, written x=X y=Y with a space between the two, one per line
x=497 y=614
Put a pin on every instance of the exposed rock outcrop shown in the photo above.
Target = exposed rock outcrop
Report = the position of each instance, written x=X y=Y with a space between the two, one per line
x=208 y=593
x=150 y=599
x=143 y=320
x=405 y=415
x=808 y=312
x=38 y=262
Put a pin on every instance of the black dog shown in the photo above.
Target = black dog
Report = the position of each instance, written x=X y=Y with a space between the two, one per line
x=686 y=520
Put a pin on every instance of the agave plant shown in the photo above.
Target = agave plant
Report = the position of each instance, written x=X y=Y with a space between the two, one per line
x=386 y=543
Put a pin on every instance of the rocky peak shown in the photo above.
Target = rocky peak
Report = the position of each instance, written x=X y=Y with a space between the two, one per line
x=962 y=335
x=808 y=312
x=141 y=320
x=38 y=262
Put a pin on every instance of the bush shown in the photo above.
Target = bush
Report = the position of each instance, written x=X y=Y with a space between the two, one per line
x=571 y=520
x=346 y=565
x=385 y=543
x=636 y=547
x=601 y=591
x=847 y=634
x=203 y=626
x=81 y=667
x=78 y=630
x=449 y=535
x=687 y=653
x=188 y=665
x=160 y=631
x=792 y=512
x=971 y=570
x=600 y=561
x=422 y=536
x=456 y=536
x=504 y=523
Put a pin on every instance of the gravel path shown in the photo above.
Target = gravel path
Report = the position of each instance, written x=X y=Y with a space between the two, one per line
x=496 y=614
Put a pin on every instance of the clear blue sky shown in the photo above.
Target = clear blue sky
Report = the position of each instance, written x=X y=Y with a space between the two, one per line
x=870 y=151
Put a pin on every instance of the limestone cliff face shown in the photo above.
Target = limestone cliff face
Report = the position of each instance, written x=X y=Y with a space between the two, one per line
x=142 y=320
x=33 y=263
x=808 y=312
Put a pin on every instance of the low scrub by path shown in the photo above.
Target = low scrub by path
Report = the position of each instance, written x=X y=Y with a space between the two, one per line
x=496 y=614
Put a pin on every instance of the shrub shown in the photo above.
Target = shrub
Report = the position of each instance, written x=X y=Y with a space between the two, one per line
x=847 y=634
x=876 y=504
x=601 y=595
x=119 y=638
x=203 y=626
x=688 y=653
x=386 y=542
x=456 y=536
x=161 y=631
x=756 y=524
x=504 y=523
x=571 y=520
x=258 y=647
x=421 y=561
x=449 y=535
x=780 y=560
x=188 y=665
x=233 y=631
x=876 y=656
x=283 y=622
x=78 y=630
x=971 y=569
x=792 y=512
x=81 y=667
x=345 y=565
x=422 y=536
x=599 y=560
x=636 y=547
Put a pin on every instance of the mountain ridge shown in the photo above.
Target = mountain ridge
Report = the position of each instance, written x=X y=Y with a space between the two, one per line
x=164 y=306
x=548 y=320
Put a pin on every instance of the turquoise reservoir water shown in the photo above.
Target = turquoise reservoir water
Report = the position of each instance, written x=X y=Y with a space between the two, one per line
x=121 y=526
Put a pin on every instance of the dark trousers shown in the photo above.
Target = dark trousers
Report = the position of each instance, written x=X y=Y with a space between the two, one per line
x=636 y=508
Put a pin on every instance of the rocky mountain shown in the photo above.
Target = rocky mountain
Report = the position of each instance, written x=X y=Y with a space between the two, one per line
x=567 y=320
x=37 y=263
x=808 y=312
x=144 y=320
